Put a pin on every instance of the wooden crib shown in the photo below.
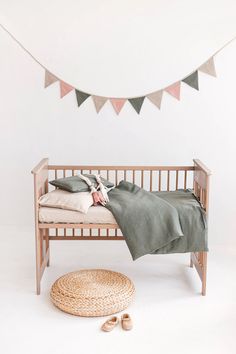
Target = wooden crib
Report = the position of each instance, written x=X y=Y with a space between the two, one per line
x=149 y=177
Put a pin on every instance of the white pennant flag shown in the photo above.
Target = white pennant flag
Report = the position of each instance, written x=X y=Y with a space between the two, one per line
x=208 y=67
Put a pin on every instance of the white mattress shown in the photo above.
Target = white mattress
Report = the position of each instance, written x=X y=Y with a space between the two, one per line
x=95 y=215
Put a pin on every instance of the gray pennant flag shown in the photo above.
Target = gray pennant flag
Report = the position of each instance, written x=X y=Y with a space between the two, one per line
x=81 y=97
x=137 y=103
x=192 y=80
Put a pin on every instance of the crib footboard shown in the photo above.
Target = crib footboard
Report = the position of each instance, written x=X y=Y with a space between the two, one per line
x=40 y=173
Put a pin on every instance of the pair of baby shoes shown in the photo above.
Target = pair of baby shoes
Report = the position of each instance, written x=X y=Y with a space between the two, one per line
x=111 y=323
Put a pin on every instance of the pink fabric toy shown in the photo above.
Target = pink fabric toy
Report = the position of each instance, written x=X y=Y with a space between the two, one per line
x=99 y=197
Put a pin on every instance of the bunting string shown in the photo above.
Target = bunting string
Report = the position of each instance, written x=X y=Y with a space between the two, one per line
x=174 y=90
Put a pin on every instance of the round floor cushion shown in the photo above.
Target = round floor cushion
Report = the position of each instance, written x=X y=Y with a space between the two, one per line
x=92 y=292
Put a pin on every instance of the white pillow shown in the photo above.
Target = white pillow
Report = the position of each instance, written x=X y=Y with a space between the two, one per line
x=66 y=200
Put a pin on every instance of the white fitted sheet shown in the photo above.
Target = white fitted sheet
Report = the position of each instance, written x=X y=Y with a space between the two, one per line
x=95 y=215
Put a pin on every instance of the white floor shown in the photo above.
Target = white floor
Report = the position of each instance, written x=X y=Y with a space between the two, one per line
x=170 y=316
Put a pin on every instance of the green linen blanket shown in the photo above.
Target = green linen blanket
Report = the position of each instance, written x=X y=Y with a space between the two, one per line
x=158 y=222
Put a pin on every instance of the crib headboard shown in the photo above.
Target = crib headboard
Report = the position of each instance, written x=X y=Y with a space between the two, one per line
x=201 y=183
x=40 y=173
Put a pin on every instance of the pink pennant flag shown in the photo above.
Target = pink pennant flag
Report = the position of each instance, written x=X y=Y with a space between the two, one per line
x=174 y=90
x=117 y=104
x=208 y=67
x=49 y=79
x=99 y=102
x=65 y=88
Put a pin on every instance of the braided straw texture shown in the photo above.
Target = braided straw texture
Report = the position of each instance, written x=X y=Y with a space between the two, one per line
x=93 y=292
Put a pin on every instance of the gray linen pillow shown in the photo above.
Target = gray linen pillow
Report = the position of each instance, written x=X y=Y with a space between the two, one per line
x=75 y=184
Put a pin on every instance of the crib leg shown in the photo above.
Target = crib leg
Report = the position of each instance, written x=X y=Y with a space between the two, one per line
x=199 y=260
x=47 y=246
x=38 y=288
x=204 y=272
x=42 y=255
x=38 y=244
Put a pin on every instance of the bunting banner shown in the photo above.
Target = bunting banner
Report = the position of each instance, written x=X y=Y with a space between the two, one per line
x=156 y=97
x=174 y=90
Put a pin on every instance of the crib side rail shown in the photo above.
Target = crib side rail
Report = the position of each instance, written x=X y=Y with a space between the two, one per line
x=201 y=183
x=151 y=178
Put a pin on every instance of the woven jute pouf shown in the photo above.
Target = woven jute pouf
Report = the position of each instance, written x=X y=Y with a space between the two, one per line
x=92 y=292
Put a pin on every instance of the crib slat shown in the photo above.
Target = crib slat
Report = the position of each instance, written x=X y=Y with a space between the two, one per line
x=203 y=197
x=150 y=181
x=159 y=184
x=142 y=178
x=185 y=179
x=107 y=232
x=55 y=174
x=168 y=181
x=125 y=175
x=200 y=195
x=64 y=173
x=177 y=180
x=133 y=176
x=116 y=172
x=99 y=232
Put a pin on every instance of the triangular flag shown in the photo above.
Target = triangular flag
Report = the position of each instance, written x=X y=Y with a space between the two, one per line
x=65 y=88
x=156 y=98
x=49 y=79
x=174 y=90
x=208 y=67
x=117 y=104
x=99 y=102
x=81 y=97
x=137 y=103
x=192 y=80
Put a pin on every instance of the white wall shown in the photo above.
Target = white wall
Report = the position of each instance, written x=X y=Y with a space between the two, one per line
x=131 y=48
